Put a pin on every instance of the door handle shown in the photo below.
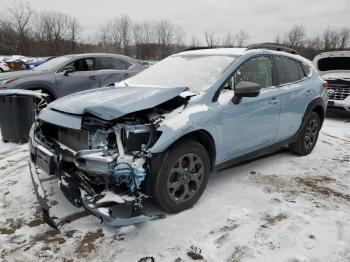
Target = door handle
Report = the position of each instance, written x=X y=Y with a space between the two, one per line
x=274 y=101
x=308 y=92
x=92 y=77
x=126 y=75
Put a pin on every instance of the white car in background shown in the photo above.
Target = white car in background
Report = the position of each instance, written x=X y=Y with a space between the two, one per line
x=4 y=67
x=334 y=67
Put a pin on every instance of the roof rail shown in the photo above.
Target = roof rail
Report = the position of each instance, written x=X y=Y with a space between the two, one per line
x=200 y=48
x=273 y=46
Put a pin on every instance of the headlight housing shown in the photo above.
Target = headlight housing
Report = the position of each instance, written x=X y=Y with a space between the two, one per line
x=7 y=81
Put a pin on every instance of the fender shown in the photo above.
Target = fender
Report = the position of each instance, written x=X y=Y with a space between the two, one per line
x=318 y=102
x=191 y=119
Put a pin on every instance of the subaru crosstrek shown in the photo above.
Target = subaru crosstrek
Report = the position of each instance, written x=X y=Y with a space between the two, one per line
x=162 y=132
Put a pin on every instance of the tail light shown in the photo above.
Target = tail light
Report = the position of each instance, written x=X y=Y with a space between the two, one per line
x=325 y=84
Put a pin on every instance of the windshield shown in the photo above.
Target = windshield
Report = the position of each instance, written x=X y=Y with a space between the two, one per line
x=334 y=63
x=197 y=72
x=52 y=64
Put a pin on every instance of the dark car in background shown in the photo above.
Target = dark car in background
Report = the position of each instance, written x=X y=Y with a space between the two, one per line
x=69 y=74
x=32 y=64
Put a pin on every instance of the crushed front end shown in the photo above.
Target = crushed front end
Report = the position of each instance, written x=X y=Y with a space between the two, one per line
x=97 y=167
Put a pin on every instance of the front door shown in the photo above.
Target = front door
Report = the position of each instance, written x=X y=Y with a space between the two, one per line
x=83 y=78
x=252 y=123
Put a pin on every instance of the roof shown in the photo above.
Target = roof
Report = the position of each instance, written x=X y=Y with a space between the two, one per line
x=215 y=51
x=99 y=55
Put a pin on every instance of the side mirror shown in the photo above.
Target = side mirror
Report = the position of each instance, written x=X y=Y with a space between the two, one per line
x=67 y=70
x=245 y=89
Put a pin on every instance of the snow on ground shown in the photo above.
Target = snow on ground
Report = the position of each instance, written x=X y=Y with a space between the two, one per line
x=277 y=208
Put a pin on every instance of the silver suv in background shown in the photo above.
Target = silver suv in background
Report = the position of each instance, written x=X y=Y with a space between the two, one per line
x=334 y=67
x=69 y=74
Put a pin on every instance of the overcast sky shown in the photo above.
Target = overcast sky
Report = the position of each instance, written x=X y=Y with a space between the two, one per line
x=262 y=19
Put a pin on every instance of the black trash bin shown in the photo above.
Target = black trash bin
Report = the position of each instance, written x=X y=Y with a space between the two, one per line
x=16 y=117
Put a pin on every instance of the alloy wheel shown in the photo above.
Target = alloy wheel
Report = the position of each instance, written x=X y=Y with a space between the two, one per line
x=185 y=178
x=311 y=134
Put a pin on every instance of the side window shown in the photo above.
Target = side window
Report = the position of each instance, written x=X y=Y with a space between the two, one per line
x=288 y=70
x=84 y=64
x=112 y=63
x=307 y=69
x=257 y=70
x=300 y=70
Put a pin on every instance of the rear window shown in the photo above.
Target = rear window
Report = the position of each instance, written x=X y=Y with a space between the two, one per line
x=334 y=63
x=112 y=63
x=288 y=70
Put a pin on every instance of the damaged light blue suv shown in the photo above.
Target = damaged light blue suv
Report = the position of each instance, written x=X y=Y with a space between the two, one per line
x=161 y=133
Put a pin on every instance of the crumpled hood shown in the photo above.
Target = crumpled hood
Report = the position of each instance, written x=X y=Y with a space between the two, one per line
x=113 y=102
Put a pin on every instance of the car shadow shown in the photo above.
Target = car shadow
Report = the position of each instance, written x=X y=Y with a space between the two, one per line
x=338 y=115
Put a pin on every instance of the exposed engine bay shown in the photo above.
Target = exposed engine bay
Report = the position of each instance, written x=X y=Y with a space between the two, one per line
x=105 y=163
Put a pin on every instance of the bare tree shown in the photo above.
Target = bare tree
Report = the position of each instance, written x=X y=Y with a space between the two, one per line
x=295 y=36
x=179 y=36
x=145 y=39
x=330 y=40
x=110 y=36
x=278 y=39
x=73 y=28
x=20 y=14
x=241 y=38
x=343 y=38
x=211 y=39
x=165 y=34
x=125 y=28
x=8 y=38
x=228 y=40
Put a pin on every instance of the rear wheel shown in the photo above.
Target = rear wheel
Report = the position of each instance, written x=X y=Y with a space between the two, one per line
x=308 y=137
x=182 y=176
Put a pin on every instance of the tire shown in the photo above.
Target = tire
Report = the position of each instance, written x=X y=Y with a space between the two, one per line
x=173 y=186
x=308 y=136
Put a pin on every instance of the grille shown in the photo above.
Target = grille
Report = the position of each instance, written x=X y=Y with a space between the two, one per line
x=73 y=139
x=338 y=93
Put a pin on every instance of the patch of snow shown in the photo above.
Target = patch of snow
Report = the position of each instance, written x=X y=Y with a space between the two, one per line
x=111 y=197
x=176 y=121
x=195 y=72
x=278 y=208
x=104 y=210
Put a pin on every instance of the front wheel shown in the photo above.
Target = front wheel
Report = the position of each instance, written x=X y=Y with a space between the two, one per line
x=182 y=176
x=308 y=136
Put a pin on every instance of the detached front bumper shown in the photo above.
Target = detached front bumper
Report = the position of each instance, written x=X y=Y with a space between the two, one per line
x=57 y=210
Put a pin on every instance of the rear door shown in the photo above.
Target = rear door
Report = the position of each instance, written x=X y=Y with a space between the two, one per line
x=112 y=69
x=296 y=94
x=83 y=78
